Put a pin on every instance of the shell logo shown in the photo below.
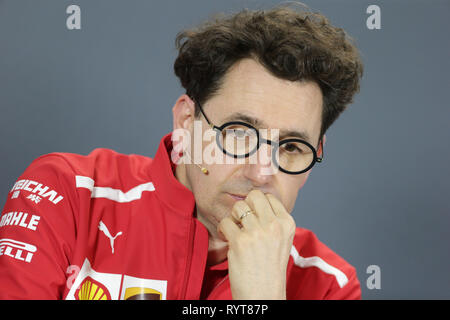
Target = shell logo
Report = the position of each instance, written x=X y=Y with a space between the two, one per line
x=92 y=290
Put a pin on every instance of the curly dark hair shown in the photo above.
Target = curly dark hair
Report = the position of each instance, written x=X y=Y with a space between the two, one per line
x=291 y=44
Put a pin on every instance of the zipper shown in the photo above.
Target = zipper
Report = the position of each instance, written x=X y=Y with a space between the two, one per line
x=188 y=259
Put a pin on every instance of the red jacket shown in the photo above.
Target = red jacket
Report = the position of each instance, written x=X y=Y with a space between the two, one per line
x=114 y=226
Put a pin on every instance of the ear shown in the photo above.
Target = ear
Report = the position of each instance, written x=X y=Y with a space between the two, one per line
x=183 y=113
x=321 y=145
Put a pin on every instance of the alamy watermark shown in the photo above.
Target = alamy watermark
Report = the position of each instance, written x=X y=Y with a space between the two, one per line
x=73 y=21
x=374 y=280
x=199 y=153
x=374 y=20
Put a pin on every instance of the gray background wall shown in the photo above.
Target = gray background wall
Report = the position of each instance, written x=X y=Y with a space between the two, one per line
x=381 y=197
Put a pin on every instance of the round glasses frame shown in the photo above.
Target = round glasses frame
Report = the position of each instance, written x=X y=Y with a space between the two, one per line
x=261 y=140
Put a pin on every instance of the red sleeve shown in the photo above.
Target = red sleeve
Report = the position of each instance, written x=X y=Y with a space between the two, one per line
x=37 y=231
x=350 y=291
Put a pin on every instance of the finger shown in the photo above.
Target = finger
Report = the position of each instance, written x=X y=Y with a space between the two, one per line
x=228 y=228
x=258 y=201
x=238 y=213
x=277 y=206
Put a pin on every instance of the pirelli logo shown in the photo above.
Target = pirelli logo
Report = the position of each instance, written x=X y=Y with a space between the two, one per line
x=17 y=250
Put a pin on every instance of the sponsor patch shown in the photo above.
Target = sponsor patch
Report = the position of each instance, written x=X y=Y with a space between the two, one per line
x=17 y=250
x=93 y=285
x=92 y=290
x=21 y=219
x=37 y=191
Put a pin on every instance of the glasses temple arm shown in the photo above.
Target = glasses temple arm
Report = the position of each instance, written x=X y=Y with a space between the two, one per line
x=203 y=113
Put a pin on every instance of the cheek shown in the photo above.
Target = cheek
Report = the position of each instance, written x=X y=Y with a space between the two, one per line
x=291 y=189
x=211 y=201
x=208 y=186
x=302 y=179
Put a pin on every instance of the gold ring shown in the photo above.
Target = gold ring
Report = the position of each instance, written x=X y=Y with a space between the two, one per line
x=246 y=213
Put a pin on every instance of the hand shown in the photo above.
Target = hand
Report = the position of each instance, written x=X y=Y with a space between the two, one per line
x=258 y=251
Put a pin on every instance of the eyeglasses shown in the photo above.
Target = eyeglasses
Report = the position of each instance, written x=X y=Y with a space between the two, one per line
x=239 y=139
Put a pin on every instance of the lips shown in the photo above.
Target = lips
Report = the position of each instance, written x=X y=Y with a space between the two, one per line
x=237 y=197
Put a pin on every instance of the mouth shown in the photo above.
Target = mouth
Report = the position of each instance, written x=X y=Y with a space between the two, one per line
x=237 y=197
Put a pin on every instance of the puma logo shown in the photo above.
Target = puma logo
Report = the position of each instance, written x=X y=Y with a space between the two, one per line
x=102 y=227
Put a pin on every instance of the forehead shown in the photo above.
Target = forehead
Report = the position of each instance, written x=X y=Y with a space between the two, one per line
x=248 y=89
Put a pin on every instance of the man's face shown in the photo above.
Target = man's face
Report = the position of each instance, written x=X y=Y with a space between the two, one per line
x=248 y=88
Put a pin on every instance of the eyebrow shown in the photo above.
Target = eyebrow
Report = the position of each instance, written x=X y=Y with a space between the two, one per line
x=257 y=123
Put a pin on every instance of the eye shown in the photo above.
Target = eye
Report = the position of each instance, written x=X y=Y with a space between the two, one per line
x=239 y=132
x=292 y=148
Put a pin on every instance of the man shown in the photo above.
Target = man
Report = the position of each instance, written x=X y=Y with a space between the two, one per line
x=114 y=226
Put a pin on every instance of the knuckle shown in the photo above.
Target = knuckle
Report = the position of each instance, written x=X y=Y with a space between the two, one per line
x=290 y=220
x=291 y=225
x=285 y=226
x=236 y=208
x=253 y=194
x=276 y=227
x=238 y=204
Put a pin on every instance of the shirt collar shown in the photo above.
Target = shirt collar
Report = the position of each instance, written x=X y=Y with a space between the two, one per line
x=172 y=192
x=220 y=266
x=162 y=170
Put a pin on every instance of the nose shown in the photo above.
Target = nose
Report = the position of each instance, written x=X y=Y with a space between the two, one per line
x=259 y=167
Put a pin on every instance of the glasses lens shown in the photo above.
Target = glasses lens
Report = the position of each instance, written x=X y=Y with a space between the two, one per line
x=239 y=140
x=294 y=156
